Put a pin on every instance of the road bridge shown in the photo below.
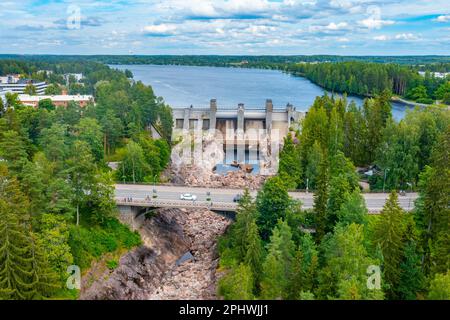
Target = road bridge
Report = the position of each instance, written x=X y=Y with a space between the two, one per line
x=133 y=197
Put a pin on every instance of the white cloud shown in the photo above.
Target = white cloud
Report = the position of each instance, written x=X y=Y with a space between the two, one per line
x=405 y=36
x=399 y=36
x=200 y=26
x=329 y=27
x=210 y=9
x=160 y=29
x=374 y=23
x=443 y=18
x=381 y=38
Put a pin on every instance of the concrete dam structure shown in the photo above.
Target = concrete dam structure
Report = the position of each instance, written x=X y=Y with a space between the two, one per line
x=251 y=135
x=237 y=118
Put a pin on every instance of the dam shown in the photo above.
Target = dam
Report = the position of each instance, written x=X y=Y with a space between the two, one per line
x=251 y=135
x=236 y=118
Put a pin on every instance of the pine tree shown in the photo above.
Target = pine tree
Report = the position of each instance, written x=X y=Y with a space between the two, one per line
x=296 y=280
x=44 y=279
x=353 y=210
x=245 y=216
x=347 y=261
x=15 y=261
x=314 y=157
x=272 y=202
x=254 y=251
x=388 y=235
x=336 y=132
x=304 y=268
x=310 y=263
x=278 y=263
x=81 y=174
x=411 y=275
x=24 y=270
x=321 y=199
x=436 y=196
x=339 y=193
x=237 y=284
x=289 y=168
x=13 y=150
x=273 y=283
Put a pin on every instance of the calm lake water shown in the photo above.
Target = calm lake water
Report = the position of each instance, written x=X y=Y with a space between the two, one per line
x=182 y=86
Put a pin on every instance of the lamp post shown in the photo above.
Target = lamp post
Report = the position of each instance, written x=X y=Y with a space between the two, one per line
x=154 y=187
x=307 y=185
x=123 y=172
x=409 y=184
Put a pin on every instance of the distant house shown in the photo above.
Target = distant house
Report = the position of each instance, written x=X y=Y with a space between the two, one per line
x=440 y=75
x=58 y=100
x=47 y=72
x=10 y=78
x=77 y=76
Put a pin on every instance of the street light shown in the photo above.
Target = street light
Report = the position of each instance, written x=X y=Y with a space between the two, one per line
x=154 y=187
x=307 y=185
x=123 y=172
x=409 y=184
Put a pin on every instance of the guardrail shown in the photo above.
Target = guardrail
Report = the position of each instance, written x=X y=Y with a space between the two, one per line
x=222 y=206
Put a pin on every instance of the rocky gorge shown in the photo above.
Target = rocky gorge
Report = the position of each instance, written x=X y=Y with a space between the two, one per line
x=178 y=258
x=154 y=270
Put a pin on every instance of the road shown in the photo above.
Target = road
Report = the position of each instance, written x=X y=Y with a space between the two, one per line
x=374 y=201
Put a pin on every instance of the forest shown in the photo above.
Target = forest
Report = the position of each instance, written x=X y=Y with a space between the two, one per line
x=57 y=205
x=369 y=79
x=354 y=75
x=229 y=60
x=277 y=250
x=57 y=209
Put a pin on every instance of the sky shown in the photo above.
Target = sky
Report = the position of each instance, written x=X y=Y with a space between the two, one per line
x=225 y=27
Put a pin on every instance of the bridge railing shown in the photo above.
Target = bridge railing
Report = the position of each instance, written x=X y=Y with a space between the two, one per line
x=177 y=204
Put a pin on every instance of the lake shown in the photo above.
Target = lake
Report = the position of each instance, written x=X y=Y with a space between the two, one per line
x=182 y=86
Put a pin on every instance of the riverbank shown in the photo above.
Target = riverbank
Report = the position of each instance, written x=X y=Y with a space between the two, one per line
x=411 y=103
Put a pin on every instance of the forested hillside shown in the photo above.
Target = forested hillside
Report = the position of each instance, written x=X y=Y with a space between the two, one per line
x=56 y=191
x=356 y=75
x=229 y=60
x=369 y=79
x=277 y=250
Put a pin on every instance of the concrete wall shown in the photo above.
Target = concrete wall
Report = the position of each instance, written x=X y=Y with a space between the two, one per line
x=184 y=118
x=127 y=215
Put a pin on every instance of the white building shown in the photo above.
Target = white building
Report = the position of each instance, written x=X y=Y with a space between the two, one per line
x=58 y=100
x=78 y=77
x=19 y=87
x=10 y=78
x=47 y=72
x=440 y=75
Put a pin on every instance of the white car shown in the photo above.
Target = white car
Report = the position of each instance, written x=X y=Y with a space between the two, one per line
x=188 y=196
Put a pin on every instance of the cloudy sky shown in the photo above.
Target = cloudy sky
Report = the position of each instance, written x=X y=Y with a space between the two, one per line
x=346 y=27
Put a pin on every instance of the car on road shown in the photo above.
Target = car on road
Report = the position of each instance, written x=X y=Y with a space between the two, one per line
x=188 y=196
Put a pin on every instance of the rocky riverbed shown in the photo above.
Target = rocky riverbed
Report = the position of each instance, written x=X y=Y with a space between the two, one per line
x=154 y=270
x=195 y=176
